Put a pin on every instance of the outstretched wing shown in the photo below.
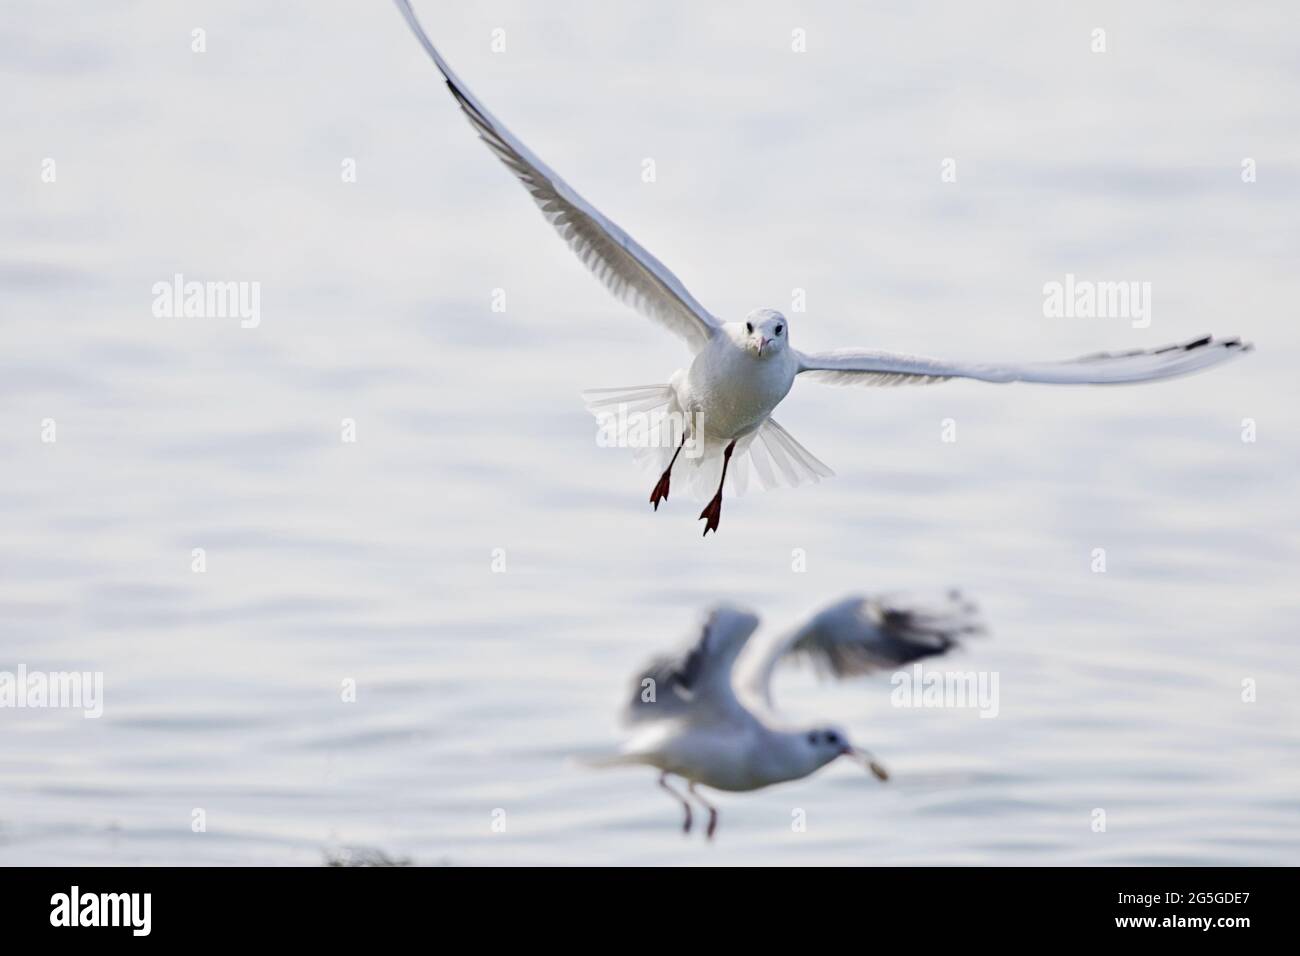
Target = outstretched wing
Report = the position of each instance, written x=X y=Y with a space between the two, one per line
x=862 y=367
x=859 y=635
x=697 y=678
x=627 y=270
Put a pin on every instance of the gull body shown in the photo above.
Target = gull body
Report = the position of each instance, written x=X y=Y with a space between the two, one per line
x=740 y=376
x=722 y=742
x=705 y=713
x=738 y=755
x=721 y=406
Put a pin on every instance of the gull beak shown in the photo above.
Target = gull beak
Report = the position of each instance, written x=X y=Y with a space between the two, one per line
x=762 y=343
x=868 y=761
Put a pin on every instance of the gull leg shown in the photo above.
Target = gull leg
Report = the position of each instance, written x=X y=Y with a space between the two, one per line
x=713 y=811
x=713 y=510
x=660 y=492
x=686 y=823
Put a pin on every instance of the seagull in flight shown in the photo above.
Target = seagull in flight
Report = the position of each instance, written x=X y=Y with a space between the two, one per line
x=720 y=407
x=705 y=714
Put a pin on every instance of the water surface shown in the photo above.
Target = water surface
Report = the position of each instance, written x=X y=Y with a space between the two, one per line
x=372 y=561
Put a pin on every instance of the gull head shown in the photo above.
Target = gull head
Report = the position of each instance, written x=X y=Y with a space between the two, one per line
x=821 y=745
x=766 y=333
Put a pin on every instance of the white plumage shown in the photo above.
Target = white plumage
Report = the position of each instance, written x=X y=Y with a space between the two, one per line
x=742 y=370
x=705 y=713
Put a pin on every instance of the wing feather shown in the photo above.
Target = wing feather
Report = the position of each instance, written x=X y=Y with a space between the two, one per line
x=863 y=367
x=625 y=268
x=860 y=635
x=696 y=678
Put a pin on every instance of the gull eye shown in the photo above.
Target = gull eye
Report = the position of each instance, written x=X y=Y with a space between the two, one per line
x=779 y=328
x=832 y=739
x=749 y=327
x=812 y=737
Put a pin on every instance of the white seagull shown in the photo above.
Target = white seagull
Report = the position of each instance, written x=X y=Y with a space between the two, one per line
x=722 y=404
x=705 y=714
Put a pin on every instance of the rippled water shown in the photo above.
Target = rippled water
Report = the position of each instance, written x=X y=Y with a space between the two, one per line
x=372 y=561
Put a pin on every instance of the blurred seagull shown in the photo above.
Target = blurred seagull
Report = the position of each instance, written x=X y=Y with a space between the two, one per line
x=721 y=406
x=705 y=714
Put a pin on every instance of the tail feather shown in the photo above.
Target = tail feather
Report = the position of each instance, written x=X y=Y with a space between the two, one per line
x=606 y=761
x=647 y=419
x=805 y=466
x=777 y=459
x=633 y=397
x=639 y=417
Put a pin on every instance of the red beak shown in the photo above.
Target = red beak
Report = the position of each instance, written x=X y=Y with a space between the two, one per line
x=868 y=761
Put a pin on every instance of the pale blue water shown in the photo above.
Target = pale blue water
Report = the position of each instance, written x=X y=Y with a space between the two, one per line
x=775 y=170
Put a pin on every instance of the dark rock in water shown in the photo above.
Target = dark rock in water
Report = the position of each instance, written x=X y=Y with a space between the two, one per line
x=363 y=856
